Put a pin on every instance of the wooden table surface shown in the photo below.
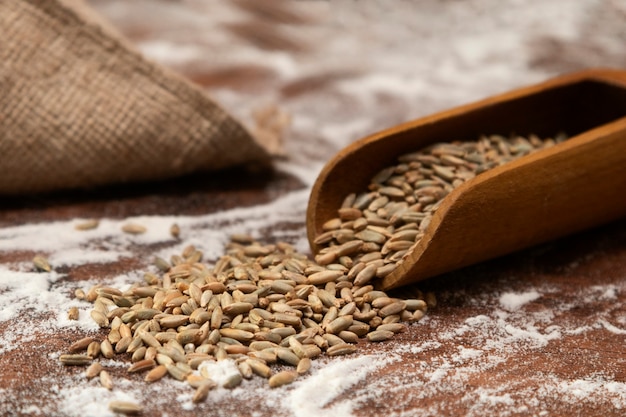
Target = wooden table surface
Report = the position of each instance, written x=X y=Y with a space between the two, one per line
x=537 y=333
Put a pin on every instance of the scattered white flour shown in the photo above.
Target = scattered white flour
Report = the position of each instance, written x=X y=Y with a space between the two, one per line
x=607 y=293
x=93 y=400
x=220 y=371
x=37 y=294
x=513 y=301
x=328 y=383
x=415 y=62
x=610 y=327
x=466 y=354
x=584 y=389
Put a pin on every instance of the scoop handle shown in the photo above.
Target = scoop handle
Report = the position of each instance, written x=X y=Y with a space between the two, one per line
x=610 y=75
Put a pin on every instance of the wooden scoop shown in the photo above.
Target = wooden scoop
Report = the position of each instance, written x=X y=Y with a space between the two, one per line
x=577 y=184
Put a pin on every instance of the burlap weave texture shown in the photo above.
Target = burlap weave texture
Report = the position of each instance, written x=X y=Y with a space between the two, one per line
x=78 y=108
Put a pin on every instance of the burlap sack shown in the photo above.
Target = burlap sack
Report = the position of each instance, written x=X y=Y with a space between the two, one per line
x=79 y=108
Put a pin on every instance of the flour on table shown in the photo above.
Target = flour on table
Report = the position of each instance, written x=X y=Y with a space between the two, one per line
x=514 y=301
x=414 y=64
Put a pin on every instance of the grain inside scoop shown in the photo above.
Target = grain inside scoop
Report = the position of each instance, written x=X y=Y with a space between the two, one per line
x=529 y=200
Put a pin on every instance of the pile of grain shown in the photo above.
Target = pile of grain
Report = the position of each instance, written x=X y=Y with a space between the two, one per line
x=265 y=304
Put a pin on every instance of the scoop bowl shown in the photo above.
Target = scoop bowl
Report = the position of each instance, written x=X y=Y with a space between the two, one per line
x=574 y=185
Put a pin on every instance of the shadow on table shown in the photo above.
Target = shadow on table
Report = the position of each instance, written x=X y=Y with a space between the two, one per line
x=194 y=194
x=595 y=255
